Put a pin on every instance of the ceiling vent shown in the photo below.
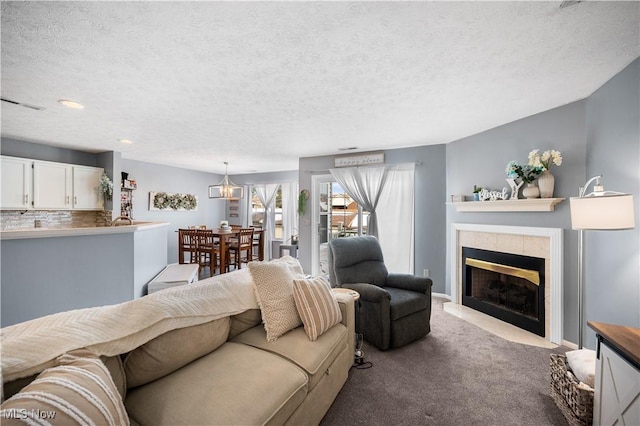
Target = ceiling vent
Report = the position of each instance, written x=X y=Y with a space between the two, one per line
x=567 y=3
x=34 y=107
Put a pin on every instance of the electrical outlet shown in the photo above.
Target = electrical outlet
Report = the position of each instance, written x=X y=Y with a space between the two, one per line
x=37 y=223
x=425 y=273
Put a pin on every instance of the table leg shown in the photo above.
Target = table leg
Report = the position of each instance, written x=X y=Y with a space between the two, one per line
x=261 y=247
x=223 y=254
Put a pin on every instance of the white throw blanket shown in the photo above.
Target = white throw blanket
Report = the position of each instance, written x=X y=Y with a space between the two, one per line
x=32 y=346
x=583 y=364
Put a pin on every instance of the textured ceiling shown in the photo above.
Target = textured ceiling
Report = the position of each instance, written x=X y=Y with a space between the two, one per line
x=260 y=84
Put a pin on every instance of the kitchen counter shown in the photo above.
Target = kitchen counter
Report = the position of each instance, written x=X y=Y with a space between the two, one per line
x=120 y=228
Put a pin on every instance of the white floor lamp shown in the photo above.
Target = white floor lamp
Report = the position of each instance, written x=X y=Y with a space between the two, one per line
x=598 y=210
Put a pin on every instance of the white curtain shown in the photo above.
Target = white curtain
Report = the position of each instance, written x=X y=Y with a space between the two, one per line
x=267 y=196
x=396 y=219
x=289 y=210
x=364 y=185
x=388 y=194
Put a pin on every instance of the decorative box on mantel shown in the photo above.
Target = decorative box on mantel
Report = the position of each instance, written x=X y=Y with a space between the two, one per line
x=524 y=205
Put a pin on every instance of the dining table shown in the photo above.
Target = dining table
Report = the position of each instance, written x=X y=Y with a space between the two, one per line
x=224 y=235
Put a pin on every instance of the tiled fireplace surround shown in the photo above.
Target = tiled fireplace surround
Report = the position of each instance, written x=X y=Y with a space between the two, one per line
x=527 y=241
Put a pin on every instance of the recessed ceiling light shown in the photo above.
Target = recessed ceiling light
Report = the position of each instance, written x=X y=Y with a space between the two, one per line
x=71 y=104
x=125 y=141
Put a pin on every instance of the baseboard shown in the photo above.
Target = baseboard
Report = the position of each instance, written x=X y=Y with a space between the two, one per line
x=441 y=295
x=569 y=345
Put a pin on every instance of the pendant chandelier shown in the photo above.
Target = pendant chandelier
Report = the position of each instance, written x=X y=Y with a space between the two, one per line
x=226 y=189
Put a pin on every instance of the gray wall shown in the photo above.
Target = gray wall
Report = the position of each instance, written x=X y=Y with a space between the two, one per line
x=149 y=253
x=264 y=178
x=35 y=151
x=430 y=213
x=612 y=267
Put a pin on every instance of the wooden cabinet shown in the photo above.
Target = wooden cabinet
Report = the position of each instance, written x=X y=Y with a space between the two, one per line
x=52 y=186
x=16 y=183
x=617 y=382
x=45 y=185
x=86 y=188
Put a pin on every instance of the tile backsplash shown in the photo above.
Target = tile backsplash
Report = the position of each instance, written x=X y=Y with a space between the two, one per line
x=13 y=219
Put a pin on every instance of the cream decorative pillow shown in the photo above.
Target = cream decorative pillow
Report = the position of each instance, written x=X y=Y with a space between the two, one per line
x=79 y=390
x=273 y=282
x=316 y=305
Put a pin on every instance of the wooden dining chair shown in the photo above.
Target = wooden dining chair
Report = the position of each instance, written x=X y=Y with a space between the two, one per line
x=242 y=248
x=258 y=241
x=187 y=246
x=208 y=251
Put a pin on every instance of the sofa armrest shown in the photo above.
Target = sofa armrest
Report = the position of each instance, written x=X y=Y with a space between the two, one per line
x=347 y=309
x=409 y=282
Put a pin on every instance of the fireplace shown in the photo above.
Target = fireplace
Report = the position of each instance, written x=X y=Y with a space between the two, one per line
x=537 y=242
x=507 y=286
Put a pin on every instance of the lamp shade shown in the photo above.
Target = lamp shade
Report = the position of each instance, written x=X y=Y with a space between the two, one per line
x=602 y=212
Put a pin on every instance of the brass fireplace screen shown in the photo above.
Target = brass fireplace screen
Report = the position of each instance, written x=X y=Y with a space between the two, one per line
x=527 y=274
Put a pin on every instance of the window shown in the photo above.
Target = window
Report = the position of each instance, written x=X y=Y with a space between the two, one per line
x=257 y=212
x=347 y=217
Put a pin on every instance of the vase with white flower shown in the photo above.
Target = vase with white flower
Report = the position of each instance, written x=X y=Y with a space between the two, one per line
x=527 y=174
x=546 y=181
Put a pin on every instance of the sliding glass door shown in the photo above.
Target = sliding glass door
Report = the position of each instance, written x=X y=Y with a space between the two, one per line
x=335 y=215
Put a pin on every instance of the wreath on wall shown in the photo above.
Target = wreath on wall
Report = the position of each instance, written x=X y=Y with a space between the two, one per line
x=189 y=202
x=163 y=200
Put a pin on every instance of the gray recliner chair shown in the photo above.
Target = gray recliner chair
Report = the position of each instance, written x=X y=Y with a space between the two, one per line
x=395 y=309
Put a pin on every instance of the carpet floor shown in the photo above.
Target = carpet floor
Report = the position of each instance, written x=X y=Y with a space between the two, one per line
x=458 y=374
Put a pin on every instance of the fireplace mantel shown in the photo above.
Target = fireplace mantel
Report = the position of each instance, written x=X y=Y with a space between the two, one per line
x=524 y=205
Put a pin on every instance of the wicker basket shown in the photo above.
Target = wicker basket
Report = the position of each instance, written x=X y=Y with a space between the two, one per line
x=574 y=399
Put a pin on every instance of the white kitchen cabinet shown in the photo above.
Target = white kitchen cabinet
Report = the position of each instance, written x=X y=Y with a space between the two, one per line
x=86 y=192
x=616 y=398
x=16 y=183
x=52 y=186
x=29 y=184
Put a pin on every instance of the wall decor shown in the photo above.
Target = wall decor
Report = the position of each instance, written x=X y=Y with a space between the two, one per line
x=515 y=187
x=486 y=195
x=351 y=160
x=168 y=201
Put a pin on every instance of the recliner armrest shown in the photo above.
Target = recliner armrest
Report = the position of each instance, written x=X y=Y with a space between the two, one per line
x=409 y=282
x=369 y=292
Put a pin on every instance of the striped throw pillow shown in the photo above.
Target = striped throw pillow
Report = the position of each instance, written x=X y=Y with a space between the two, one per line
x=79 y=390
x=316 y=305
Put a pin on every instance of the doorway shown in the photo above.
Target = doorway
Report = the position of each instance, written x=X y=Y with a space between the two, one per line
x=335 y=215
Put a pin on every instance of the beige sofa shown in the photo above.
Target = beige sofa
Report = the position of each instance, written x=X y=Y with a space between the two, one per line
x=193 y=355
